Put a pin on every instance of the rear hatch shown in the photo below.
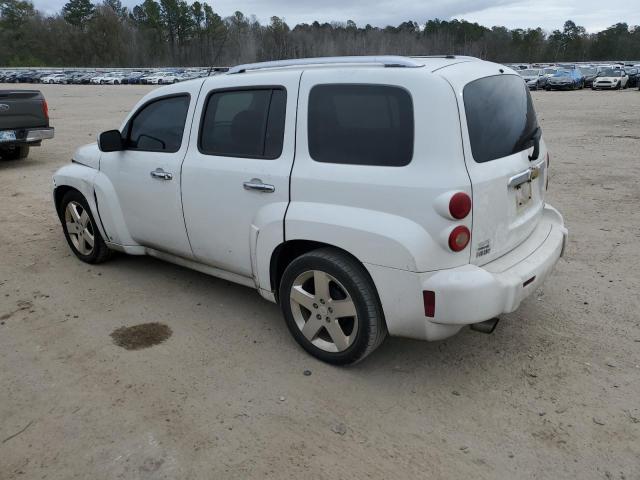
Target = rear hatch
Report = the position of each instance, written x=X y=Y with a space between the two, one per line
x=504 y=154
x=22 y=109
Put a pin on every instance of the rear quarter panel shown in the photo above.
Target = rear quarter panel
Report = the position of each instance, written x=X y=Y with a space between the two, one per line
x=384 y=215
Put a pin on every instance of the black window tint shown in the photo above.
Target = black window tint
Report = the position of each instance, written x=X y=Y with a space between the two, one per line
x=500 y=116
x=361 y=125
x=275 y=125
x=159 y=126
x=244 y=123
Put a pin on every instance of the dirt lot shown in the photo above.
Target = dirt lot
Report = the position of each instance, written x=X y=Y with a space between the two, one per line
x=553 y=393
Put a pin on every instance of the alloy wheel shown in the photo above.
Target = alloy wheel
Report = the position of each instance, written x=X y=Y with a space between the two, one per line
x=79 y=228
x=324 y=311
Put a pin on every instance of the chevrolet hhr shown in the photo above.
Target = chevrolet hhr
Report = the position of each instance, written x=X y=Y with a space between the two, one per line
x=366 y=196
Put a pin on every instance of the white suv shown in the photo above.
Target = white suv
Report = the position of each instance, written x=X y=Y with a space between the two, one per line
x=365 y=195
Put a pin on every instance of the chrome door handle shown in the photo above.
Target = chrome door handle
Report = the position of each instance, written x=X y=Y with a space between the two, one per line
x=160 y=174
x=256 y=184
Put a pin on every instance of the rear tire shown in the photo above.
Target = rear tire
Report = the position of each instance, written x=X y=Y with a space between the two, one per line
x=317 y=293
x=15 y=152
x=80 y=229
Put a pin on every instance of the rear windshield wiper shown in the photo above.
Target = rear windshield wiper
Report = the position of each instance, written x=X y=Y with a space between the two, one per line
x=532 y=139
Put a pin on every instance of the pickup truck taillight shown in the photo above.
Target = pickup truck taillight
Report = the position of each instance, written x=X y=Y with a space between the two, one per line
x=45 y=109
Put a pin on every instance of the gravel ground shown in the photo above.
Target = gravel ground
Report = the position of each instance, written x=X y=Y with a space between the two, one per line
x=553 y=393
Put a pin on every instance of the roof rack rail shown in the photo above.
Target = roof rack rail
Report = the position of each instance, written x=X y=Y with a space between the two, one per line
x=385 y=60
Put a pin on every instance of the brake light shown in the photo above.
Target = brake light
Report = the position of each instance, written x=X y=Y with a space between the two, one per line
x=45 y=109
x=460 y=205
x=429 y=298
x=459 y=238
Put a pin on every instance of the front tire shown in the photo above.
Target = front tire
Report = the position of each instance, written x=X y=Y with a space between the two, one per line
x=80 y=229
x=331 y=306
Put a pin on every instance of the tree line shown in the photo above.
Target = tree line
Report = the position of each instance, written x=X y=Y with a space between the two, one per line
x=174 y=32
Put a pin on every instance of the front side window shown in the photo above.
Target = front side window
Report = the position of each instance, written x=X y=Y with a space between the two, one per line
x=361 y=125
x=244 y=123
x=500 y=116
x=158 y=126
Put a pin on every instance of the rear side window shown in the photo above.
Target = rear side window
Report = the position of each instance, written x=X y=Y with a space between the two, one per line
x=361 y=125
x=500 y=116
x=244 y=123
x=158 y=126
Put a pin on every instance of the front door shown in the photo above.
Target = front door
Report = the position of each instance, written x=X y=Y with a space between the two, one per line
x=146 y=175
x=236 y=182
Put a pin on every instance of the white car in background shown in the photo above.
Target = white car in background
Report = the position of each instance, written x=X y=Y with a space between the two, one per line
x=611 y=78
x=58 y=78
x=163 y=78
x=111 y=78
x=364 y=195
x=532 y=77
x=114 y=78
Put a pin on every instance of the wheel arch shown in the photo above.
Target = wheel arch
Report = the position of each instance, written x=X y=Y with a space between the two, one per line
x=289 y=250
x=58 y=195
x=80 y=178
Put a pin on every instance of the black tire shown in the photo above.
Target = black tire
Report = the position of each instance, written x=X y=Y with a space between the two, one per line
x=370 y=328
x=99 y=252
x=15 y=152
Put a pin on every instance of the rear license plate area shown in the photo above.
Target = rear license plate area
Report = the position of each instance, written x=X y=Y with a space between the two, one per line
x=7 y=135
x=523 y=195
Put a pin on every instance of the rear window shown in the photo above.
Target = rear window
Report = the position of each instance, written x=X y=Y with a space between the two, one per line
x=500 y=116
x=361 y=125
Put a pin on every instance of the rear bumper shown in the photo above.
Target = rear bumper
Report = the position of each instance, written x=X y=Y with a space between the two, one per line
x=470 y=294
x=26 y=135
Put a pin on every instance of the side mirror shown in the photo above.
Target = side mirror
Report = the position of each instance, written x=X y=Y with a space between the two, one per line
x=110 y=141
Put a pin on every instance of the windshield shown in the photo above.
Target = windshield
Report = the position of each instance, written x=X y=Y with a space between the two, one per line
x=529 y=72
x=500 y=116
x=611 y=73
x=549 y=71
x=562 y=73
x=589 y=71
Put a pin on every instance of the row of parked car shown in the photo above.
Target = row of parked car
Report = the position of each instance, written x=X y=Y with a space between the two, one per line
x=151 y=77
x=574 y=77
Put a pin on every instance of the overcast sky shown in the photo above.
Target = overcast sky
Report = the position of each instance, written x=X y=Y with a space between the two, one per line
x=594 y=15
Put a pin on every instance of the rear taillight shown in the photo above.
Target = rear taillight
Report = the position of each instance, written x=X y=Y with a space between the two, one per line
x=45 y=109
x=459 y=238
x=460 y=205
x=429 y=298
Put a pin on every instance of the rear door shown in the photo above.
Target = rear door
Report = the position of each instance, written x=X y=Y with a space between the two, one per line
x=499 y=127
x=235 y=177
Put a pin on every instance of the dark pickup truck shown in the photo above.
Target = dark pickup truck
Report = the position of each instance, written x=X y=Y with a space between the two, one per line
x=24 y=122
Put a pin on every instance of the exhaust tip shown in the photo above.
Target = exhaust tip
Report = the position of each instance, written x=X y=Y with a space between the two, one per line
x=488 y=326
